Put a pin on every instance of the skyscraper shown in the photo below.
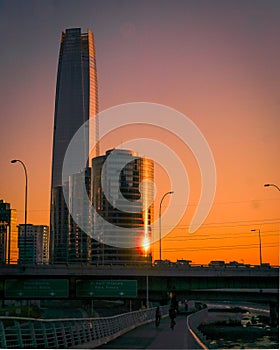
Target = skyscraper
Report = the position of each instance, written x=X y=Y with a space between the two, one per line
x=36 y=249
x=122 y=190
x=79 y=242
x=8 y=234
x=76 y=102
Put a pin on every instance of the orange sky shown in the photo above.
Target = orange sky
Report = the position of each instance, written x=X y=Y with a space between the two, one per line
x=217 y=63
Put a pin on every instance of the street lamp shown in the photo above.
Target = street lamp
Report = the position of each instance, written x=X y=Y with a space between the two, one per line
x=267 y=185
x=25 y=202
x=254 y=230
x=170 y=192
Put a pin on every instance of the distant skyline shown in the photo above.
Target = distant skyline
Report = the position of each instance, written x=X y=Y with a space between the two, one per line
x=215 y=61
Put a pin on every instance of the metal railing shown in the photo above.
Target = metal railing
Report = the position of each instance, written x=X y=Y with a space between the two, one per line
x=30 y=333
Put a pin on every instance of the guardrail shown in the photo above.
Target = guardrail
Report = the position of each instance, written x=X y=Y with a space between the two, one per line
x=30 y=333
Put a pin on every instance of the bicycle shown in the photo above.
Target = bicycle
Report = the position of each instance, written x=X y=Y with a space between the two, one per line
x=158 y=317
x=172 y=315
x=172 y=324
x=157 y=321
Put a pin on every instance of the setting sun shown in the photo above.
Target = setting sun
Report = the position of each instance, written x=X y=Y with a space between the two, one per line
x=146 y=244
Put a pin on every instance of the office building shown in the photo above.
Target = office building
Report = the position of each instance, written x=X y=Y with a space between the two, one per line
x=76 y=102
x=8 y=234
x=123 y=188
x=3 y=235
x=79 y=242
x=34 y=248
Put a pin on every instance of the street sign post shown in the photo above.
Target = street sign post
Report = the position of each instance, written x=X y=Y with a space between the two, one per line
x=36 y=288
x=106 y=288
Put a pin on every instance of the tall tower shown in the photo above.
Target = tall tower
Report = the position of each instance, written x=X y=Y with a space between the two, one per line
x=76 y=102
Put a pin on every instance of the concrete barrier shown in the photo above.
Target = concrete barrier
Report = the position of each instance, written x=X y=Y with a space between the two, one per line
x=195 y=339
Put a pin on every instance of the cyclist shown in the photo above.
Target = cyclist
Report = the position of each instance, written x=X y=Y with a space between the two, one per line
x=172 y=316
x=158 y=316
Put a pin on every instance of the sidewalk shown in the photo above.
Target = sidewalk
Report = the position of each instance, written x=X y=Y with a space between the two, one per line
x=150 y=337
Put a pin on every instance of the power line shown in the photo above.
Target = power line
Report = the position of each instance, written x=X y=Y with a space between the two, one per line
x=194 y=204
x=188 y=239
x=244 y=246
x=229 y=224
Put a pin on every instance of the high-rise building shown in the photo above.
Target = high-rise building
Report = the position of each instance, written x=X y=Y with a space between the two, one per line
x=76 y=102
x=3 y=235
x=34 y=248
x=79 y=242
x=122 y=184
x=8 y=234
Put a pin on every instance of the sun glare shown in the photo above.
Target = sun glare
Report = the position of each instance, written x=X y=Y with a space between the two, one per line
x=146 y=244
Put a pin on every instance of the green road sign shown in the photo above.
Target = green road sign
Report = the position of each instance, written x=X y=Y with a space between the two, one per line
x=36 y=288
x=106 y=288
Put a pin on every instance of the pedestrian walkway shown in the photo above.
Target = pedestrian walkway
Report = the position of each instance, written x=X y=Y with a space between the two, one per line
x=150 y=337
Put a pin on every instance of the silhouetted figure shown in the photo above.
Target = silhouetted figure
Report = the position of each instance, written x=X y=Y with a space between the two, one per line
x=172 y=315
x=186 y=306
x=158 y=316
x=174 y=302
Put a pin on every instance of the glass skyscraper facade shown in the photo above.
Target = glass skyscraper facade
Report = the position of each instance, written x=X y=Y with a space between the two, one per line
x=36 y=249
x=122 y=189
x=79 y=242
x=8 y=234
x=76 y=102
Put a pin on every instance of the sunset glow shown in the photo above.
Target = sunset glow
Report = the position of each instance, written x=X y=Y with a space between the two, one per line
x=216 y=62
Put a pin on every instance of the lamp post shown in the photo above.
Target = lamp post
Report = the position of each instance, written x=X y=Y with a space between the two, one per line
x=254 y=230
x=25 y=203
x=267 y=185
x=170 y=192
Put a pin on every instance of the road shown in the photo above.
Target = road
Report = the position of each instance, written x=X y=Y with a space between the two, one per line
x=150 y=337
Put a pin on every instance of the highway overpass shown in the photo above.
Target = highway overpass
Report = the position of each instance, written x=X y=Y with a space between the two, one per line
x=153 y=282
